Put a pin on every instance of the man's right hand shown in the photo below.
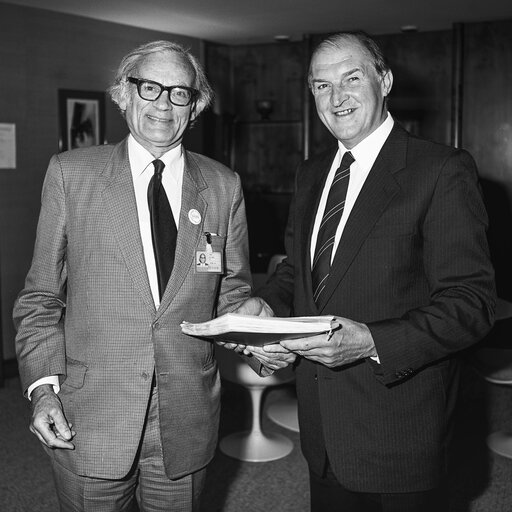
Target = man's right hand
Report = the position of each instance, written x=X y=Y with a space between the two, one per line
x=48 y=422
x=252 y=306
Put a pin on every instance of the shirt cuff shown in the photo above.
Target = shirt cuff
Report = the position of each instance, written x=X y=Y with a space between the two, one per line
x=53 y=380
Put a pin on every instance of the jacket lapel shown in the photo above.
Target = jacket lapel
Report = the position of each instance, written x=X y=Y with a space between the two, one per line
x=189 y=234
x=378 y=190
x=120 y=203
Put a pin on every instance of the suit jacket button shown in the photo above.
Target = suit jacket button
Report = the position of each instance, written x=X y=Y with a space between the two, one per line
x=145 y=375
x=156 y=326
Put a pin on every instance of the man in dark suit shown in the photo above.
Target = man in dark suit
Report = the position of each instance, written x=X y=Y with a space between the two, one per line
x=126 y=404
x=405 y=270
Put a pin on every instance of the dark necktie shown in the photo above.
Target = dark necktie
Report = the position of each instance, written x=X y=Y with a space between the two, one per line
x=163 y=227
x=330 y=220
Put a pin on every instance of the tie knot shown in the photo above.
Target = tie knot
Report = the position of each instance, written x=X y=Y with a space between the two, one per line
x=159 y=167
x=347 y=160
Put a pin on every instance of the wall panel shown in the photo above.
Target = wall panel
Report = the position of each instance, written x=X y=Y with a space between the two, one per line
x=487 y=132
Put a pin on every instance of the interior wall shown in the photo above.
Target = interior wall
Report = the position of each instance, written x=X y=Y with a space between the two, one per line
x=487 y=132
x=256 y=127
x=41 y=52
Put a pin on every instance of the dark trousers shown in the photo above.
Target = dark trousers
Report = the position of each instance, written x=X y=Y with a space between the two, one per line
x=328 y=495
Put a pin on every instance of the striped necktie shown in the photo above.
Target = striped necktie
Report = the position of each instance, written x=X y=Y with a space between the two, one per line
x=163 y=227
x=327 y=231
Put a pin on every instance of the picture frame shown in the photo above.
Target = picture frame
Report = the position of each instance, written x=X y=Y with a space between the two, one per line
x=81 y=118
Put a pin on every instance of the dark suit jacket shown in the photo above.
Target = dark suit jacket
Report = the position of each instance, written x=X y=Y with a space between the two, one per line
x=412 y=264
x=87 y=314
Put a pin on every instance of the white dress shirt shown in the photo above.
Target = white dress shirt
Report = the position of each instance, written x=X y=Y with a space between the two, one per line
x=365 y=154
x=142 y=170
x=172 y=180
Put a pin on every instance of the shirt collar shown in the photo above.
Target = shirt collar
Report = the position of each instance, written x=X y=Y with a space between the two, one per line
x=140 y=158
x=367 y=150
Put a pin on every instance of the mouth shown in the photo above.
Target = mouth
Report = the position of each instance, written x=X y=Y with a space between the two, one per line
x=158 y=119
x=345 y=112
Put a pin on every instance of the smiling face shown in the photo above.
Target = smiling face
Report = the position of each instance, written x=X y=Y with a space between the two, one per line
x=349 y=93
x=159 y=125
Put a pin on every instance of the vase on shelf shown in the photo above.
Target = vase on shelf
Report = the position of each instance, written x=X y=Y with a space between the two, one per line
x=264 y=108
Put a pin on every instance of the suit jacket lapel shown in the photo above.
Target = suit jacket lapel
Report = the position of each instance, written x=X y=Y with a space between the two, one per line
x=120 y=203
x=189 y=234
x=378 y=190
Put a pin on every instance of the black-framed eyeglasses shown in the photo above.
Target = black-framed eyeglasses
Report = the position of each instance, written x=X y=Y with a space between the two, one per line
x=179 y=95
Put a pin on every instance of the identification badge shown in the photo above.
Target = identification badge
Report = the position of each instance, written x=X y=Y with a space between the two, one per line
x=208 y=260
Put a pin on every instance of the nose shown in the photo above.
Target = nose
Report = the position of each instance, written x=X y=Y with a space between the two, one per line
x=163 y=102
x=338 y=95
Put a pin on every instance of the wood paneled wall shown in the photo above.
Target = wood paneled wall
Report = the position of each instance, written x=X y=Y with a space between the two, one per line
x=422 y=98
x=264 y=149
x=41 y=52
x=487 y=132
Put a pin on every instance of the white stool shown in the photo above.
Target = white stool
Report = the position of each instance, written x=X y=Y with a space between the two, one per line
x=495 y=366
x=252 y=445
x=284 y=411
x=501 y=443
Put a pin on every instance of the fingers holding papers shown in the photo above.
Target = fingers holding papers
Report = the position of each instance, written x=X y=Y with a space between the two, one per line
x=272 y=356
x=348 y=342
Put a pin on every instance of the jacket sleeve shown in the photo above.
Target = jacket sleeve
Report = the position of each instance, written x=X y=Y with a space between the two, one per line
x=460 y=277
x=237 y=282
x=39 y=310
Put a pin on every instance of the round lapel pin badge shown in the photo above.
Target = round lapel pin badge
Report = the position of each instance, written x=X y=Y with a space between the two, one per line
x=194 y=216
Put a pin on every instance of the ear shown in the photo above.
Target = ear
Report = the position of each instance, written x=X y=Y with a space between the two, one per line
x=387 y=83
x=123 y=105
x=123 y=98
x=195 y=110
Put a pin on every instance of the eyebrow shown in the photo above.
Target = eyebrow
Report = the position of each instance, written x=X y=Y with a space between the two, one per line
x=343 y=75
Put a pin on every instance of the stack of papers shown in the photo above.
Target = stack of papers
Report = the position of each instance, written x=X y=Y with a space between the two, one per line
x=259 y=330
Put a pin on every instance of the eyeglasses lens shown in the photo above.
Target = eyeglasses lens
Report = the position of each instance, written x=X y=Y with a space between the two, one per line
x=178 y=95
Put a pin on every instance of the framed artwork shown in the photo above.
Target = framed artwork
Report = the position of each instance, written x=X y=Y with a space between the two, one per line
x=81 y=119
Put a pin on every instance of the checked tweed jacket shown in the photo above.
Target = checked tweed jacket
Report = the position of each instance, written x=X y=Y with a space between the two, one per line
x=87 y=315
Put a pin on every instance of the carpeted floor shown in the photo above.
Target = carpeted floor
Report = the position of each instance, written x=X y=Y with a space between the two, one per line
x=481 y=481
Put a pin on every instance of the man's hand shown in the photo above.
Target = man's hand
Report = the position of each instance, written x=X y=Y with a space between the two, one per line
x=252 y=306
x=48 y=422
x=272 y=357
x=348 y=343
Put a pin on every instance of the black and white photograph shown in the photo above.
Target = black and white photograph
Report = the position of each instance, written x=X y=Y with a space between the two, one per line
x=256 y=256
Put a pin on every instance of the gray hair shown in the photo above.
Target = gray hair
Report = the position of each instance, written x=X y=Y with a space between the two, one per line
x=336 y=41
x=132 y=60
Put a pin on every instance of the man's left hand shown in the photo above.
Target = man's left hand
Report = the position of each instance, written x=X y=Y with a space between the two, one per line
x=252 y=306
x=273 y=357
x=348 y=343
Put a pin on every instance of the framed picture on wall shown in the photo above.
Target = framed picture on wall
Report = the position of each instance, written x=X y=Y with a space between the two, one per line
x=81 y=119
